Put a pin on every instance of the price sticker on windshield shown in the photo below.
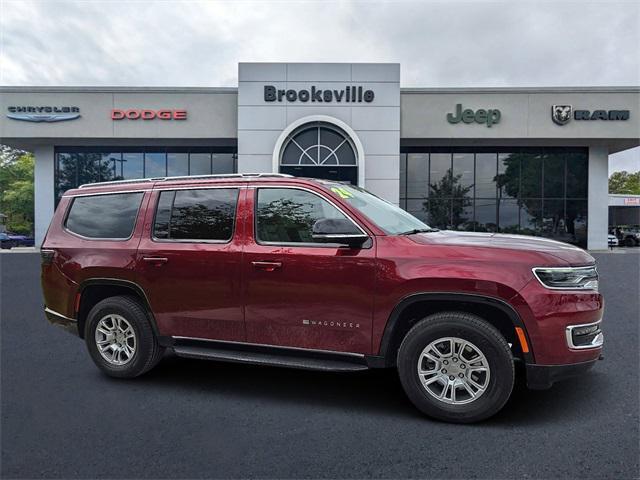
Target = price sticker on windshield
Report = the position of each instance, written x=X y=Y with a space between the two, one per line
x=342 y=192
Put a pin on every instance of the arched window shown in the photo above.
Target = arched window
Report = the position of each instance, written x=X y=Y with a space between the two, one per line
x=318 y=144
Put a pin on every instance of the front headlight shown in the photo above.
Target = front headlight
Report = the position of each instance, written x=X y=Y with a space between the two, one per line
x=568 y=278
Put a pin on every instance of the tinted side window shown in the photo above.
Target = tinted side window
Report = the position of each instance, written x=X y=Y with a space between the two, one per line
x=206 y=214
x=286 y=215
x=104 y=216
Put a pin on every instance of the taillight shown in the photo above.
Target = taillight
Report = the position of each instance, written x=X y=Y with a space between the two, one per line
x=46 y=256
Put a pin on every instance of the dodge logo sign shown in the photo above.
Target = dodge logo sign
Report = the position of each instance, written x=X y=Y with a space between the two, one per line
x=561 y=114
x=43 y=114
x=146 y=114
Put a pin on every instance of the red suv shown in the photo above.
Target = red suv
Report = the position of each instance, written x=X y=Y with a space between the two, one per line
x=313 y=274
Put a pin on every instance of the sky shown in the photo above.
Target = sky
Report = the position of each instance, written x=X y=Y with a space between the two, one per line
x=438 y=44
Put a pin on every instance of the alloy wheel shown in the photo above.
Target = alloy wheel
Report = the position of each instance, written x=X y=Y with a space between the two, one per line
x=115 y=339
x=453 y=370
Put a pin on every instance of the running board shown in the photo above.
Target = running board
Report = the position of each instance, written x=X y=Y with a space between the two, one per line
x=273 y=359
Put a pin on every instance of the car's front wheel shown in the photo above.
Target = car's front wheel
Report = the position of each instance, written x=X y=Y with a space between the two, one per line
x=120 y=339
x=455 y=366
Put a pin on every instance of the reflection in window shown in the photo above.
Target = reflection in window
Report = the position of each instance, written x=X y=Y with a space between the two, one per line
x=508 y=180
x=178 y=164
x=417 y=175
x=530 y=217
x=440 y=167
x=223 y=162
x=200 y=164
x=577 y=174
x=132 y=166
x=318 y=144
x=108 y=163
x=155 y=164
x=78 y=165
x=508 y=216
x=485 y=175
x=486 y=212
x=554 y=180
x=532 y=191
x=286 y=215
x=206 y=214
x=104 y=216
x=530 y=175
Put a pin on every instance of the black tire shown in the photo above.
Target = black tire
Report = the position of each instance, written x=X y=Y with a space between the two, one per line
x=629 y=242
x=147 y=352
x=481 y=334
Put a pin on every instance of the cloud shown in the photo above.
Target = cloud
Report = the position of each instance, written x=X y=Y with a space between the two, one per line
x=185 y=43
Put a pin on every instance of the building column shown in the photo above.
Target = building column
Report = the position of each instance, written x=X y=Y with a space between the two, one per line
x=43 y=190
x=598 y=201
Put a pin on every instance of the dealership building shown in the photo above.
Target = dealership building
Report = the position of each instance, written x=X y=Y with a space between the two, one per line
x=516 y=160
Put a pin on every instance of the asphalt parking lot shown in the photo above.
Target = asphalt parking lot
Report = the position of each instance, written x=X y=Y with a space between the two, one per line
x=195 y=419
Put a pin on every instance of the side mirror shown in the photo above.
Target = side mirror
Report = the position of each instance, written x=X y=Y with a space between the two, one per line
x=341 y=231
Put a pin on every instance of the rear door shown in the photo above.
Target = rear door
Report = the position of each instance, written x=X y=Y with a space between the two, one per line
x=189 y=262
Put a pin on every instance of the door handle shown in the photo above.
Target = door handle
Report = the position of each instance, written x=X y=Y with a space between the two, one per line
x=157 y=261
x=267 y=266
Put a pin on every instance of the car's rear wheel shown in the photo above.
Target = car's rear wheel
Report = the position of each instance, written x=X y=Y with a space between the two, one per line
x=629 y=242
x=120 y=339
x=454 y=366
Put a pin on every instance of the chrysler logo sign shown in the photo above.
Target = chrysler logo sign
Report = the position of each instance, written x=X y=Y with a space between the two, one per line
x=43 y=114
x=561 y=114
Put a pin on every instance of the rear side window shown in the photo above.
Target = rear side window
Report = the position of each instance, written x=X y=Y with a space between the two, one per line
x=110 y=216
x=206 y=214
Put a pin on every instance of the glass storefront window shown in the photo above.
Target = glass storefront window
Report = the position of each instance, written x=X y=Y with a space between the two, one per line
x=223 y=162
x=508 y=179
x=532 y=191
x=485 y=175
x=75 y=166
x=417 y=175
x=132 y=165
x=155 y=164
x=486 y=215
x=200 y=164
x=440 y=167
x=177 y=164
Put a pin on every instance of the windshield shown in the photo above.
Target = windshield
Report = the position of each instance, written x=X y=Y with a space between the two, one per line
x=393 y=220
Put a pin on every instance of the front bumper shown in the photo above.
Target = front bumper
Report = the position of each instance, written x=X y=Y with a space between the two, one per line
x=68 y=324
x=541 y=377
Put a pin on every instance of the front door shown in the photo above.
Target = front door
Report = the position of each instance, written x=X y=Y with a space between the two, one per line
x=189 y=263
x=300 y=293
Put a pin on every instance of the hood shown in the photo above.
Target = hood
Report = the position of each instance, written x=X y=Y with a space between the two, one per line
x=563 y=252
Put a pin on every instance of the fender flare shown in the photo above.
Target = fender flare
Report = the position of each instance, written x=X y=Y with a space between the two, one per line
x=98 y=281
x=411 y=299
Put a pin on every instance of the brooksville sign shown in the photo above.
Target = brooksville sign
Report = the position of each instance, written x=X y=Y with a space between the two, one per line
x=350 y=94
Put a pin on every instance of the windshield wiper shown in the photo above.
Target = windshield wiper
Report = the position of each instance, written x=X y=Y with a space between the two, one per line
x=419 y=230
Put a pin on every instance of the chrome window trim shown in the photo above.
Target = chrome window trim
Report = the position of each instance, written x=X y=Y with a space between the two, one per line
x=231 y=342
x=105 y=239
x=186 y=177
x=298 y=244
x=200 y=241
x=597 y=341
x=95 y=194
x=572 y=269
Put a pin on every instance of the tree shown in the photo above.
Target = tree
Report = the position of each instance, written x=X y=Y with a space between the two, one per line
x=16 y=189
x=442 y=212
x=625 y=183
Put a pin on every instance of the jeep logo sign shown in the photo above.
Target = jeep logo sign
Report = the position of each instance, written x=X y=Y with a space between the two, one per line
x=350 y=94
x=482 y=116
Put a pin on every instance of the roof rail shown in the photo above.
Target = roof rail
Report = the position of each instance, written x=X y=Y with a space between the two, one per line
x=187 y=177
